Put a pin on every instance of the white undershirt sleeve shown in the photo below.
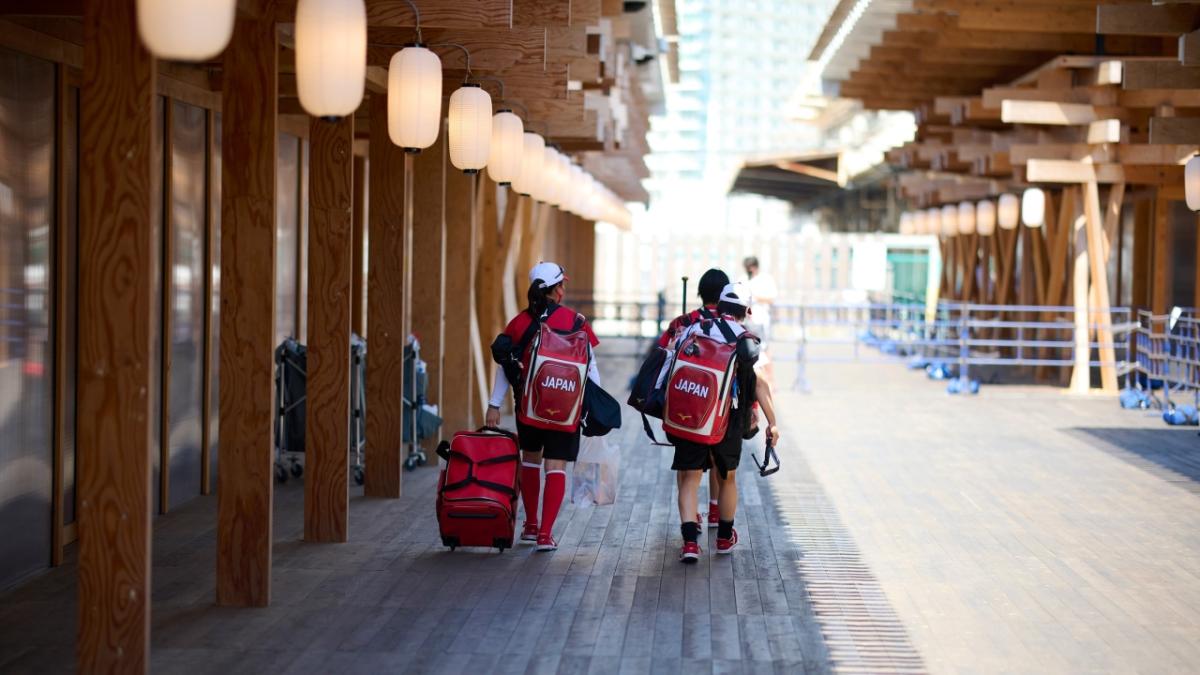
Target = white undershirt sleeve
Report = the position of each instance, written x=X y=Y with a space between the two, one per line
x=593 y=369
x=499 y=389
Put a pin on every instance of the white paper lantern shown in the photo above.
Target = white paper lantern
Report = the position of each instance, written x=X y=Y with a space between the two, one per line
x=1033 y=207
x=551 y=182
x=949 y=220
x=905 y=226
x=331 y=56
x=1191 y=183
x=186 y=30
x=470 y=128
x=508 y=147
x=1008 y=212
x=966 y=218
x=414 y=98
x=933 y=221
x=532 y=157
x=985 y=218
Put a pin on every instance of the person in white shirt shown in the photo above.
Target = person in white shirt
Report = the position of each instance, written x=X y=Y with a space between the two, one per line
x=764 y=292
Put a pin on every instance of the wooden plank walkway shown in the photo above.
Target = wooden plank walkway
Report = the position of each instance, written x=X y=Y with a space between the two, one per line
x=613 y=598
x=1018 y=531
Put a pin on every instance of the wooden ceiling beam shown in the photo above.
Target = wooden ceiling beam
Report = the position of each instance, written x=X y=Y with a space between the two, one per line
x=1174 y=130
x=1066 y=171
x=490 y=49
x=1143 y=19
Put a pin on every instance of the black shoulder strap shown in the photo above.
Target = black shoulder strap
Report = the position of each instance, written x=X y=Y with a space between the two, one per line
x=706 y=314
x=726 y=331
x=579 y=322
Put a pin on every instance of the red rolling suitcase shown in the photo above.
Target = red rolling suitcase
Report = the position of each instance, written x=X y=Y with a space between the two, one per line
x=478 y=488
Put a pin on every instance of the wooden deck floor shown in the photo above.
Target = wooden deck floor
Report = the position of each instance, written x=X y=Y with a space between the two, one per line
x=862 y=555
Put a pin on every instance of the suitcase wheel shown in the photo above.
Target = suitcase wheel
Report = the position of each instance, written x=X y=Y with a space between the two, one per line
x=358 y=475
x=502 y=544
x=281 y=475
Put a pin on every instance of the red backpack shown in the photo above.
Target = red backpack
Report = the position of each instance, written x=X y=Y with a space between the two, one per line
x=555 y=378
x=699 y=387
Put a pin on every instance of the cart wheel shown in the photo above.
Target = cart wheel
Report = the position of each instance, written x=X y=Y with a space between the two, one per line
x=421 y=458
x=358 y=476
x=452 y=548
x=297 y=469
x=280 y=474
x=410 y=463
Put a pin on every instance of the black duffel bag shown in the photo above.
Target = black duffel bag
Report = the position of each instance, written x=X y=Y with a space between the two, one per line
x=645 y=396
x=601 y=412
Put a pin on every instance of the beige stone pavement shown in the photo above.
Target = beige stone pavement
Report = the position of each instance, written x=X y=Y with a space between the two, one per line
x=1021 y=530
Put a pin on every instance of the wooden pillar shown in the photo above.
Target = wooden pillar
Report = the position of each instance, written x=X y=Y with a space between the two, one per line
x=1081 y=373
x=429 y=262
x=327 y=407
x=115 y=282
x=490 y=265
x=583 y=245
x=358 y=281
x=1160 y=266
x=458 y=347
x=385 y=299
x=247 y=397
x=511 y=291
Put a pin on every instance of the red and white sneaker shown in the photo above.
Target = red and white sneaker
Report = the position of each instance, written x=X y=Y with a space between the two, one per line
x=726 y=546
x=690 y=553
x=529 y=532
x=714 y=515
x=546 y=543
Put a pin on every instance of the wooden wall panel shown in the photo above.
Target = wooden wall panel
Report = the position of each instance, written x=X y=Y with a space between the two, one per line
x=115 y=282
x=429 y=261
x=327 y=419
x=385 y=298
x=459 y=350
x=248 y=142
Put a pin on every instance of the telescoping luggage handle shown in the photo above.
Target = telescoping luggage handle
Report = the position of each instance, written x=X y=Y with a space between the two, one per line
x=443 y=448
x=764 y=467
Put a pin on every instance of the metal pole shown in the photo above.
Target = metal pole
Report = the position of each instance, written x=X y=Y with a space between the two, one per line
x=683 y=305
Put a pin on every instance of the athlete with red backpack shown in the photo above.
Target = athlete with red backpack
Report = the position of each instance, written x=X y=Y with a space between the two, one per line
x=546 y=355
x=712 y=283
x=710 y=388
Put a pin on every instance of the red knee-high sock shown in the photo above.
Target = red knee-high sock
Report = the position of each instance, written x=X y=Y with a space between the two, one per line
x=531 y=485
x=556 y=488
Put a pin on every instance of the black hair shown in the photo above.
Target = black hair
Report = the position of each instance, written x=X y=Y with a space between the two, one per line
x=732 y=309
x=711 y=285
x=539 y=298
x=750 y=261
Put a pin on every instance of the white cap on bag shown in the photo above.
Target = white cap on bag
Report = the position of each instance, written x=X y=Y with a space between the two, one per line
x=736 y=293
x=547 y=274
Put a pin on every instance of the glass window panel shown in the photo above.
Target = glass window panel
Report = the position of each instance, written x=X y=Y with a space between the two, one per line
x=26 y=353
x=287 y=224
x=186 y=301
x=70 y=295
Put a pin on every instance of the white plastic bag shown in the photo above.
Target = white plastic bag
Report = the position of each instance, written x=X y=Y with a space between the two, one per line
x=594 y=480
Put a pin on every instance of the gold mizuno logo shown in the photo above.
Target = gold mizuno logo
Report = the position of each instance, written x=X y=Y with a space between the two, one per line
x=551 y=411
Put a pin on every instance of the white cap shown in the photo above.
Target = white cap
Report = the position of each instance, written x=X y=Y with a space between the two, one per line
x=736 y=293
x=547 y=274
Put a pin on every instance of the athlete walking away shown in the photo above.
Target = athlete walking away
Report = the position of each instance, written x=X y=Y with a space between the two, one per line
x=723 y=456
x=712 y=283
x=546 y=432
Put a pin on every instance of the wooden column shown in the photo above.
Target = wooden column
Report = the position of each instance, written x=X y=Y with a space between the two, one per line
x=115 y=282
x=327 y=407
x=245 y=482
x=1098 y=247
x=513 y=295
x=583 y=245
x=385 y=299
x=490 y=266
x=458 y=347
x=429 y=263
x=1160 y=266
x=1081 y=373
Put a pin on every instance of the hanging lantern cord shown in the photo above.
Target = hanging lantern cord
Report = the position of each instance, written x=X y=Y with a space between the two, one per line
x=466 y=53
x=417 y=13
x=497 y=80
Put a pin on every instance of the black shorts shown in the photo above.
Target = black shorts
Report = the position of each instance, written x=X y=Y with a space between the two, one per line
x=552 y=444
x=724 y=456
